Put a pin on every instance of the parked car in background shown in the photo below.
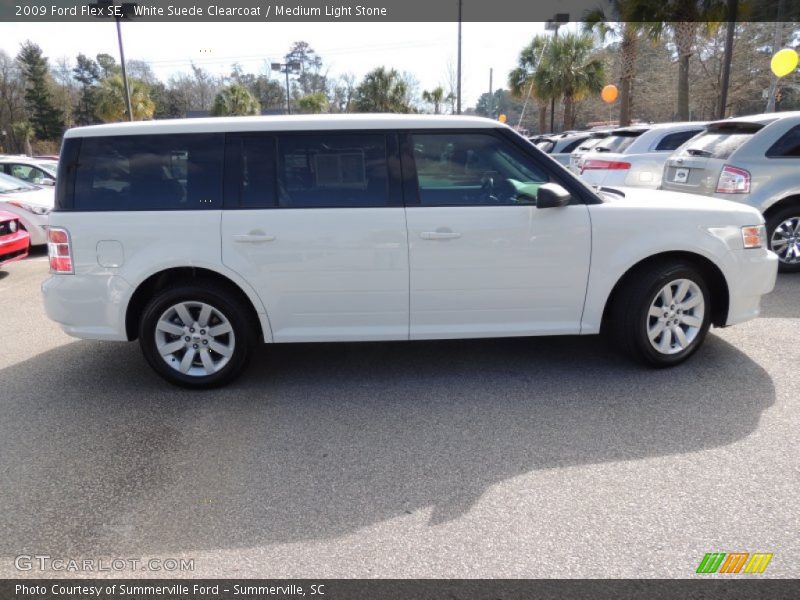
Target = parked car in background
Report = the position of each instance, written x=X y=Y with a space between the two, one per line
x=595 y=137
x=754 y=160
x=561 y=145
x=202 y=237
x=635 y=156
x=35 y=171
x=32 y=205
x=14 y=240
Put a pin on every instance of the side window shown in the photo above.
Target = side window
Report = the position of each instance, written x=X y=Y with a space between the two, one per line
x=673 y=141
x=787 y=146
x=572 y=145
x=332 y=170
x=26 y=173
x=257 y=185
x=474 y=169
x=142 y=172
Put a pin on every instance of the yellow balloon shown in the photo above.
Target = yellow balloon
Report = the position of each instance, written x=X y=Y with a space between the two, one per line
x=609 y=93
x=784 y=62
x=502 y=118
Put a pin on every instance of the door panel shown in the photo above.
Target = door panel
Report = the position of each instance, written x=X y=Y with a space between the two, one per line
x=316 y=227
x=513 y=270
x=484 y=260
x=324 y=274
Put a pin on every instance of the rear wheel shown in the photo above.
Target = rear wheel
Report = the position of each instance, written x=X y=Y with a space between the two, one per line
x=661 y=315
x=195 y=336
x=783 y=232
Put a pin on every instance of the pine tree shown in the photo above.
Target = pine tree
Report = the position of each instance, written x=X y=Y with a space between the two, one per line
x=87 y=73
x=47 y=120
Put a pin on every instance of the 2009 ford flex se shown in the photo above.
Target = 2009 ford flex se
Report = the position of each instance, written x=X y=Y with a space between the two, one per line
x=202 y=237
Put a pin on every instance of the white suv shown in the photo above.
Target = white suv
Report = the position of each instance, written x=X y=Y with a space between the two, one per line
x=202 y=237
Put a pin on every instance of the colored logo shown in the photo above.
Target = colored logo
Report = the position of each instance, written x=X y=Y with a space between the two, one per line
x=734 y=562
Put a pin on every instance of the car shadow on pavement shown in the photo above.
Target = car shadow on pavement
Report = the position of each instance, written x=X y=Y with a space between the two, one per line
x=101 y=457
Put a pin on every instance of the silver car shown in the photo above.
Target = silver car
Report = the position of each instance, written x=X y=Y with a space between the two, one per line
x=754 y=160
x=560 y=145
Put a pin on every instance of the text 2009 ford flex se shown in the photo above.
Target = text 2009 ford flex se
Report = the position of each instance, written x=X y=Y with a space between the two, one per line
x=203 y=237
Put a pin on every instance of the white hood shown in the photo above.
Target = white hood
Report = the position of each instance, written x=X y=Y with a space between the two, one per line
x=44 y=197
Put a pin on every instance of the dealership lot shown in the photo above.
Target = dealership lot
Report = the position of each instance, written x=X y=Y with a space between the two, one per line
x=487 y=458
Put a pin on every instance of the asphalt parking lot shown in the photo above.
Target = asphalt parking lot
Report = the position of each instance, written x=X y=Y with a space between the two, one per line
x=550 y=457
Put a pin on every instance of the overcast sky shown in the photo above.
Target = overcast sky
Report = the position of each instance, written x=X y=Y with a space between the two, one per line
x=423 y=49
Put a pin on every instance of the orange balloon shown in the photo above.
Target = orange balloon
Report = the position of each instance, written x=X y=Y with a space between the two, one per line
x=609 y=93
x=502 y=118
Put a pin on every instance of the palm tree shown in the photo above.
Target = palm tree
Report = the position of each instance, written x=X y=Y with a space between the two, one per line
x=624 y=20
x=532 y=76
x=382 y=90
x=574 y=71
x=234 y=101
x=683 y=18
x=23 y=132
x=313 y=103
x=437 y=98
x=111 y=100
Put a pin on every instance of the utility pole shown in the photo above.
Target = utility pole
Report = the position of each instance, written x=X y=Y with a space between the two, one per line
x=293 y=67
x=491 y=96
x=125 y=10
x=727 y=57
x=458 y=85
x=776 y=44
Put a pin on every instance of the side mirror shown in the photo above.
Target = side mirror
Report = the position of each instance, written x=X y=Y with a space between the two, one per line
x=552 y=195
x=47 y=181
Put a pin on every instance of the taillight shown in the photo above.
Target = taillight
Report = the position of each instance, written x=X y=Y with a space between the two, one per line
x=733 y=180
x=59 y=250
x=596 y=164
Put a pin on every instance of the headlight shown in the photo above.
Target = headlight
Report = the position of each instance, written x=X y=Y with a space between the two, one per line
x=754 y=236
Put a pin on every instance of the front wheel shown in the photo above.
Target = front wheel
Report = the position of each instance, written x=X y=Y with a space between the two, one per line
x=195 y=336
x=783 y=232
x=661 y=315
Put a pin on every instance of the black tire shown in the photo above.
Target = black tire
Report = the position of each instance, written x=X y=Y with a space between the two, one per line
x=629 y=319
x=790 y=212
x=221 y=300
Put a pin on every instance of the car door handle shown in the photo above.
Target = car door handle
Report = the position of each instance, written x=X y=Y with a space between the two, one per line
x=253 y=238
x=439 y=235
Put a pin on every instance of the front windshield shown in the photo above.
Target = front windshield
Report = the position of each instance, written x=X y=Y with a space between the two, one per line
x=12 y=184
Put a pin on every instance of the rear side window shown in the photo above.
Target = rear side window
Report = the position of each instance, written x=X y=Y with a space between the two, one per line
x=673 y=141
x=617 y=142
x=721 y=140
x=332 y=170
x=572 y=145
x=143 y=172
x=787 y=146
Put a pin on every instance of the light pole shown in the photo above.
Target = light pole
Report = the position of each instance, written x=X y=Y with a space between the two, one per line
x=458 y=77
x=291 y=67
x=553 y=24
x=119 y=12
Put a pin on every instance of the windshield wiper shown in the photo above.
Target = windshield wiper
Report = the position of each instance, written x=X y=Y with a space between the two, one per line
x=698 y=152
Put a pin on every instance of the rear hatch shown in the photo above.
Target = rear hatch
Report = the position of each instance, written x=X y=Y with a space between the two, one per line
x=695 y=167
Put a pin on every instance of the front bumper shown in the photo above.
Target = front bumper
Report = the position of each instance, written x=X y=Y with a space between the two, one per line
x=14 y=246
x=758 y=271
x=90 y=307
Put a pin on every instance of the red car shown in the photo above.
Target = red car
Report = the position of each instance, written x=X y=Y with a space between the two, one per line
x=14 y=240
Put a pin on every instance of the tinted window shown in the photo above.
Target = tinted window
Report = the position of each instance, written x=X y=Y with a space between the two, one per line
x=674 y=140
x=465 y=169
x=254 y=178
x=142 y=172
x=344 y=170
x=788 y=145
